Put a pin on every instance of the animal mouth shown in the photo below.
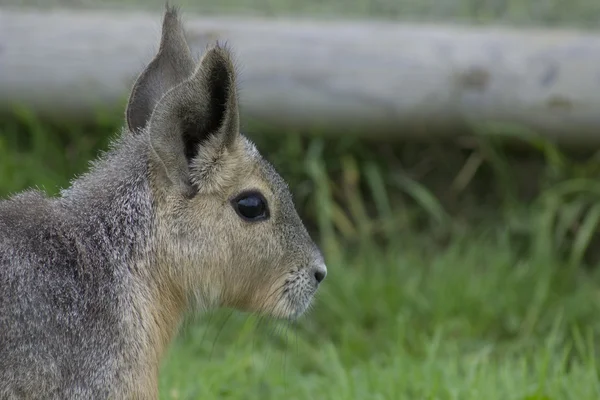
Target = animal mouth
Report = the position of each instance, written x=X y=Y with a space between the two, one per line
x=291 y=297
x=295 y=301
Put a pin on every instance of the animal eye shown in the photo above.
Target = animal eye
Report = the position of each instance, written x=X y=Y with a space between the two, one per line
x=251 y=206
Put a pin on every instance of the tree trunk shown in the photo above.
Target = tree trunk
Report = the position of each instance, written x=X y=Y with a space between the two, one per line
x=368 y=78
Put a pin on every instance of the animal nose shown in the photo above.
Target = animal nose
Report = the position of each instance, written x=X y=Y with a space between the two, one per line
x=320 y=272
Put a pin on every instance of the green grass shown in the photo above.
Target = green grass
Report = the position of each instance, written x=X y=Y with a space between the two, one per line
x=420 y=302
x=438 y=287
x=470 y=322
x=580 y=13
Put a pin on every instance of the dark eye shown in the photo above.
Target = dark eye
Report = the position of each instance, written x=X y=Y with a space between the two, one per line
x=251 y=206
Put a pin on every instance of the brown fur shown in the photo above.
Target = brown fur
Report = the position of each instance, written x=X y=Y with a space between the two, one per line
x=95 y=283
x=233 y=274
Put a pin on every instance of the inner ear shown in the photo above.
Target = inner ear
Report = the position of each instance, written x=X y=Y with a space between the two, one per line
x=198 y=120
x=219 y=91
x=200 y=127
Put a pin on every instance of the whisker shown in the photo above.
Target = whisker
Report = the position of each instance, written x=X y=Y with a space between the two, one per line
x=210 y=316
x=285 y=381
x=219 y=333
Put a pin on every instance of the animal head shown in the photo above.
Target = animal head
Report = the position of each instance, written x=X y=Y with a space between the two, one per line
x=227 y=231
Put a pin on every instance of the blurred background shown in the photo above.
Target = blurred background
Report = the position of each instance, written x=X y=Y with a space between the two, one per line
x=443 y=153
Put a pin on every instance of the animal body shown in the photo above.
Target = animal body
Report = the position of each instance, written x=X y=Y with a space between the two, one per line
x=182 y=212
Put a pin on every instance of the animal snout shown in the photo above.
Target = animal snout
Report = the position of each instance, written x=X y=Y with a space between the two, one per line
x=319 y=272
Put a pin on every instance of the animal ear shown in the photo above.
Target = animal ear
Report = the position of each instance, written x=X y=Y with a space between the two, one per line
x=171 y=65
x=197 y=121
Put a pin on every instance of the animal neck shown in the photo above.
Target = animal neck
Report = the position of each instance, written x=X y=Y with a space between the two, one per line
x=111 y=206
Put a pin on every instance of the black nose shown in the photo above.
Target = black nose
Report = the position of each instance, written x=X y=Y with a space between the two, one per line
x=320 y=274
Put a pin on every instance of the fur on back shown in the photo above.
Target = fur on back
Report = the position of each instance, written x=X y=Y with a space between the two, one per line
x=65 y=278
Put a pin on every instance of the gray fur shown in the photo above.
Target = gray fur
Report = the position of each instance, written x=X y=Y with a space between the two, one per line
x=94 y=283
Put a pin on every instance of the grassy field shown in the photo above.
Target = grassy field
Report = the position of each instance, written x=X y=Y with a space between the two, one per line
x=430 y=308
x=442 y=284
x=580 y=13
x=471 y=322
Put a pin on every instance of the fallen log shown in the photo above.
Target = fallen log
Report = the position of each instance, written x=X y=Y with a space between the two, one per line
x=372 y=78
